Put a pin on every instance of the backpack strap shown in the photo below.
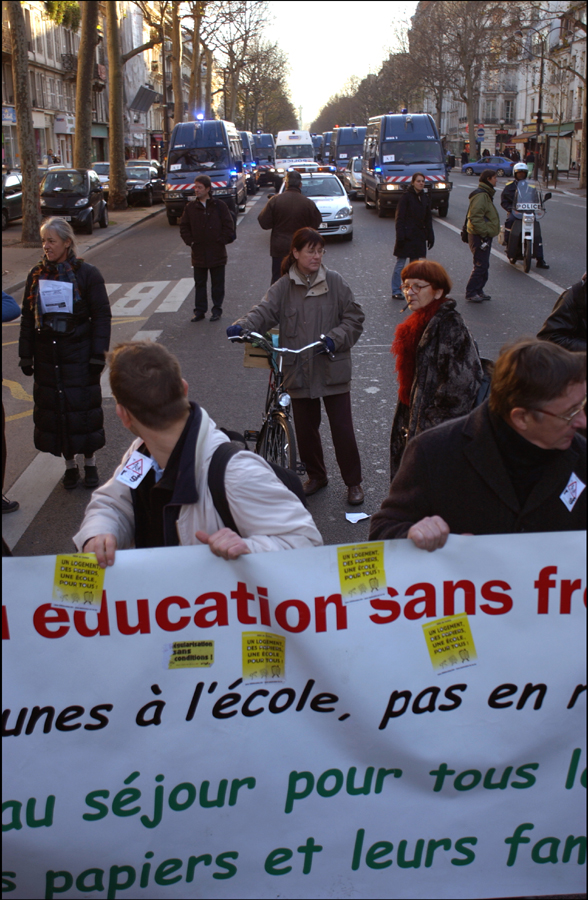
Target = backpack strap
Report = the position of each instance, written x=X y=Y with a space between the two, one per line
x=216 y=482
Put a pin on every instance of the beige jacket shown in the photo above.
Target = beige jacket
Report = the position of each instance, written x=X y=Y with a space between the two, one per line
x=267 y=514
x=302 y=313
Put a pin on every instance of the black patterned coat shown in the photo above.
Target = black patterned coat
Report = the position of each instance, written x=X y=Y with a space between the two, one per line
x=447 y=376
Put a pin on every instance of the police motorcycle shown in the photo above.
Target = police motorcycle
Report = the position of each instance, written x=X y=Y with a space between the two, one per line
x=524 y=237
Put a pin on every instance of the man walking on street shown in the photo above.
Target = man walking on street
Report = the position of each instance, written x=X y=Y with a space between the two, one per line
x=207 y=226
x=483 y=223
x=284 y=214
x=160 y=494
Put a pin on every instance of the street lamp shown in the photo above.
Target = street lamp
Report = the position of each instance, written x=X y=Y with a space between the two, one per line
x=539 y=112
x=501 y=123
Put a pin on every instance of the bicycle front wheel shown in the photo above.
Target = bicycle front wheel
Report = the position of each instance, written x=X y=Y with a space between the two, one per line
x=276 y=442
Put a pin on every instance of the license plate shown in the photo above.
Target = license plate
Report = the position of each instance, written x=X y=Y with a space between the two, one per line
x=323 y=225
x=67 y=218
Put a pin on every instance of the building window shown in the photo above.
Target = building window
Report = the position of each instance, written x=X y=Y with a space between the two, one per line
x=38 y=35
x=7 y=89
x=490 y=111
x=509 y=111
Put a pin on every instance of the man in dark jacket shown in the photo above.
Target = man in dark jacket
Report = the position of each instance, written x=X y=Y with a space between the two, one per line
x=284 y=214
x=207 y=226
x=566 y=325
x=514 y=464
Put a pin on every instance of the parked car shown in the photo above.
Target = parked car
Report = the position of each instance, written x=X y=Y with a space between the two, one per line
x=102 y=170
x=143 y=184
x=154 y=163
x=42 y=171
x=500 y=164
x=76 y=195
x=333 y=203
x=11 y=198
x=351 y=178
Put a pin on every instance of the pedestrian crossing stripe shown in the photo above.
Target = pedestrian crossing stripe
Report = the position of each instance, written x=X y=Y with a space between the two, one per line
x=142 y=294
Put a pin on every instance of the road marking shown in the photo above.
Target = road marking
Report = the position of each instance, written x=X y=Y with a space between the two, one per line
x=146 y=336
x=176 y=296
x=21 y=415
x=140 y=295
x=502 y=257
x=31 y=490
x=8 y=343
x=17 y=390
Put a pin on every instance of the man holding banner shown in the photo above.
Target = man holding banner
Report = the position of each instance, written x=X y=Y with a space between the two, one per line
x=159 y=495
x=514 y=464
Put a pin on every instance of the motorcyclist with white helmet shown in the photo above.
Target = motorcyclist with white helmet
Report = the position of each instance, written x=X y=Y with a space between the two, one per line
x=520 y=172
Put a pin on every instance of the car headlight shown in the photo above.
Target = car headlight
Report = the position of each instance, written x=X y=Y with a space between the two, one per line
x=278 y=170
x=343 y=213
x=393 y=187
x=83 y=201
x=440 y=185
x=138 y=187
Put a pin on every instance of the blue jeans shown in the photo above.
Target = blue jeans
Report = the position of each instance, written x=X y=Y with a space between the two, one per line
x=400 y=264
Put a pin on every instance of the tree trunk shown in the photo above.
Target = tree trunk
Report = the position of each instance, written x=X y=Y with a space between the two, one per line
x=471 y=104
x=582 y=179
x=117 y=190
x=195 y=92
x=31 y=208
x=177 y=66
x=82 y=158
x=208 y=113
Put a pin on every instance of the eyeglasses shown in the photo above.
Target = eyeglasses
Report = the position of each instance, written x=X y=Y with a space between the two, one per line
x=569 y=418
x=415 y=288
x=310 y=252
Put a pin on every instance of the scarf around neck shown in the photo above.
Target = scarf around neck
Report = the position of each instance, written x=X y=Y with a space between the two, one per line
x=404 y=347
x=63 y=271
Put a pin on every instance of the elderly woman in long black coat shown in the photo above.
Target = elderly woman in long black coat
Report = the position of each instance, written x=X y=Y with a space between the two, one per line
x=414 y=229
x=437 y=362
x=63 y=342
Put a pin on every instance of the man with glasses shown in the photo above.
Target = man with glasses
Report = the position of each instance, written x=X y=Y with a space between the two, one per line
x=516 y=463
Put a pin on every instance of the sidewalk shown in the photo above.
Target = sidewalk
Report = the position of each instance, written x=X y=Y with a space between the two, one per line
x=566 y=186
x=18 y=260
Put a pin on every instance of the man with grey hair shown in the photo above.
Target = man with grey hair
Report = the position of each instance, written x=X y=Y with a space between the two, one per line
x=284 y=214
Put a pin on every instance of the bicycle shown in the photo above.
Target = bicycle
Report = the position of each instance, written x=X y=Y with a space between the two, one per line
x=275 y=441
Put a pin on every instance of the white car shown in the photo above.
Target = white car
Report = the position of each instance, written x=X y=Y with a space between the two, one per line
x=102 y=170
x=331 y=199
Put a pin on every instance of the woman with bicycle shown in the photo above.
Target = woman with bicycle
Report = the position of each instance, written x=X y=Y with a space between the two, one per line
x=310 y=302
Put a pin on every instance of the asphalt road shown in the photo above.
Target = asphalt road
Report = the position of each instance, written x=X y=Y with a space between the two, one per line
x=148 y=269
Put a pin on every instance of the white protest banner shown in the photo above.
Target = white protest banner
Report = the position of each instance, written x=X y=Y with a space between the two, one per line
x=250 y=729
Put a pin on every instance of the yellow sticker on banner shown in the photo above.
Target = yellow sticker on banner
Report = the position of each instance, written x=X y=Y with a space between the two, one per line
x=78 y=582
x=361 y=571
x=264 y=656
x=188 y=655
x=450 y=643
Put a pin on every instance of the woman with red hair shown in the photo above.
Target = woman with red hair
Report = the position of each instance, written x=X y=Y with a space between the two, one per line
x=437 y=362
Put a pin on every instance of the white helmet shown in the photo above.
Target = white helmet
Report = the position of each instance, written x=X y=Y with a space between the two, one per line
x=520 y=167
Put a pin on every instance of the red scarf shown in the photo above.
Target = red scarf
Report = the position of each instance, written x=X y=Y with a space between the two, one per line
x=404 y=347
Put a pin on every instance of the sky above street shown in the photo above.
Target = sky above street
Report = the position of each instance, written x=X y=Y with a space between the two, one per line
x=328 y=42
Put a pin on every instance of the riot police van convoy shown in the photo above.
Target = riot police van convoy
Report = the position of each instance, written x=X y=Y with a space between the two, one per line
x=265 y=153
x=396 y=147
x=293 y=148
x=249 y=161
x=204 y=147
x=346 y=143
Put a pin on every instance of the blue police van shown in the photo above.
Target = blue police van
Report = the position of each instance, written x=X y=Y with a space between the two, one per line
x=346 y=142
x=206 y=147
x=249 y=165
x=395 y=147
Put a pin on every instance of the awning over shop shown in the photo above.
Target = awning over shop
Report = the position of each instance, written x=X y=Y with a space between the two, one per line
x=523 y=137
x=562 y=134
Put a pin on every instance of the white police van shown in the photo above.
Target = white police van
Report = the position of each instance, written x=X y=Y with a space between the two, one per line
x=293 y=148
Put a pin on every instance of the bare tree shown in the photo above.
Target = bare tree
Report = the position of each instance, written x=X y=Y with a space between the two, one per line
x=89 y=39
x=31 y=209
x=431 y=62
x=117 y=192
x=264 y=79
x=177 y=65
x=197 y=10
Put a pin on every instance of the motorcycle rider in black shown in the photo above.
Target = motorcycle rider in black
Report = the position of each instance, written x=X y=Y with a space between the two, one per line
x=520 y=172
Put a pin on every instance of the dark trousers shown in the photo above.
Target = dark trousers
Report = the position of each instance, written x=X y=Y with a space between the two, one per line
x=479 y=276
x=276 y=268
x=307 y=419
x=537 y=242
x=217 y=288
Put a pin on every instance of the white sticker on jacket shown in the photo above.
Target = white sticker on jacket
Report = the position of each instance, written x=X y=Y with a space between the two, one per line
x=572 y=491
x=135 y=469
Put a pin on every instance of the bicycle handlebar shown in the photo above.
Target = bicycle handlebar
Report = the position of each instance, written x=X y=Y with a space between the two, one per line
x=251 y=336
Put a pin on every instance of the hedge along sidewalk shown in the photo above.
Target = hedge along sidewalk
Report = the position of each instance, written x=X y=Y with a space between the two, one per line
x=17 y=260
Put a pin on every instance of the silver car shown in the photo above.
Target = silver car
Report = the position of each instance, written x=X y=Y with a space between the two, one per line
x=352 y=178
x=333 y=204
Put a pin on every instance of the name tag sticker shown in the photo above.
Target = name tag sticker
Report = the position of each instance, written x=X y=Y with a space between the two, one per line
x=135 y=469
x=572 y=491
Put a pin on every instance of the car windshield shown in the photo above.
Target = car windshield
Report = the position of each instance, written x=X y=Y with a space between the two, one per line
x=357 y=165
x=322 y=187
x=64 y=182
x=138 y=173
x=412 y=152
x=528 y=198
x=346 y=151
x=102 y=168
x=198 y=159
x=295 y=151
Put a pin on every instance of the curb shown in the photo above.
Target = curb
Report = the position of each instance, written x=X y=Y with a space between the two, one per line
x=107 y=237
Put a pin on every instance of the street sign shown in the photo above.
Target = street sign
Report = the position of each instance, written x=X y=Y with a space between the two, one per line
x=480 y=134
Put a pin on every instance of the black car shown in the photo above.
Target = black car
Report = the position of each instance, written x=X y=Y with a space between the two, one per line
x=75 y=195
x=11 y=197
x=143 y=184
x=265 y=174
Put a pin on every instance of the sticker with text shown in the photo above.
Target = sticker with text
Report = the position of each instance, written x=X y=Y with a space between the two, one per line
x=572 y=491
x=450 y=643
x=188 y=655
x=264 y=657
x=78 y=582
x=361 y=571
x=135 y=469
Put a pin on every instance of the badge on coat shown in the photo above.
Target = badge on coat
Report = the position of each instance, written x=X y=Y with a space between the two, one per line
x=572 y=491
x=135 y=469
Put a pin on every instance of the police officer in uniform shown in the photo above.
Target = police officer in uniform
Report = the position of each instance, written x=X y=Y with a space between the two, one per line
x=520 y=172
